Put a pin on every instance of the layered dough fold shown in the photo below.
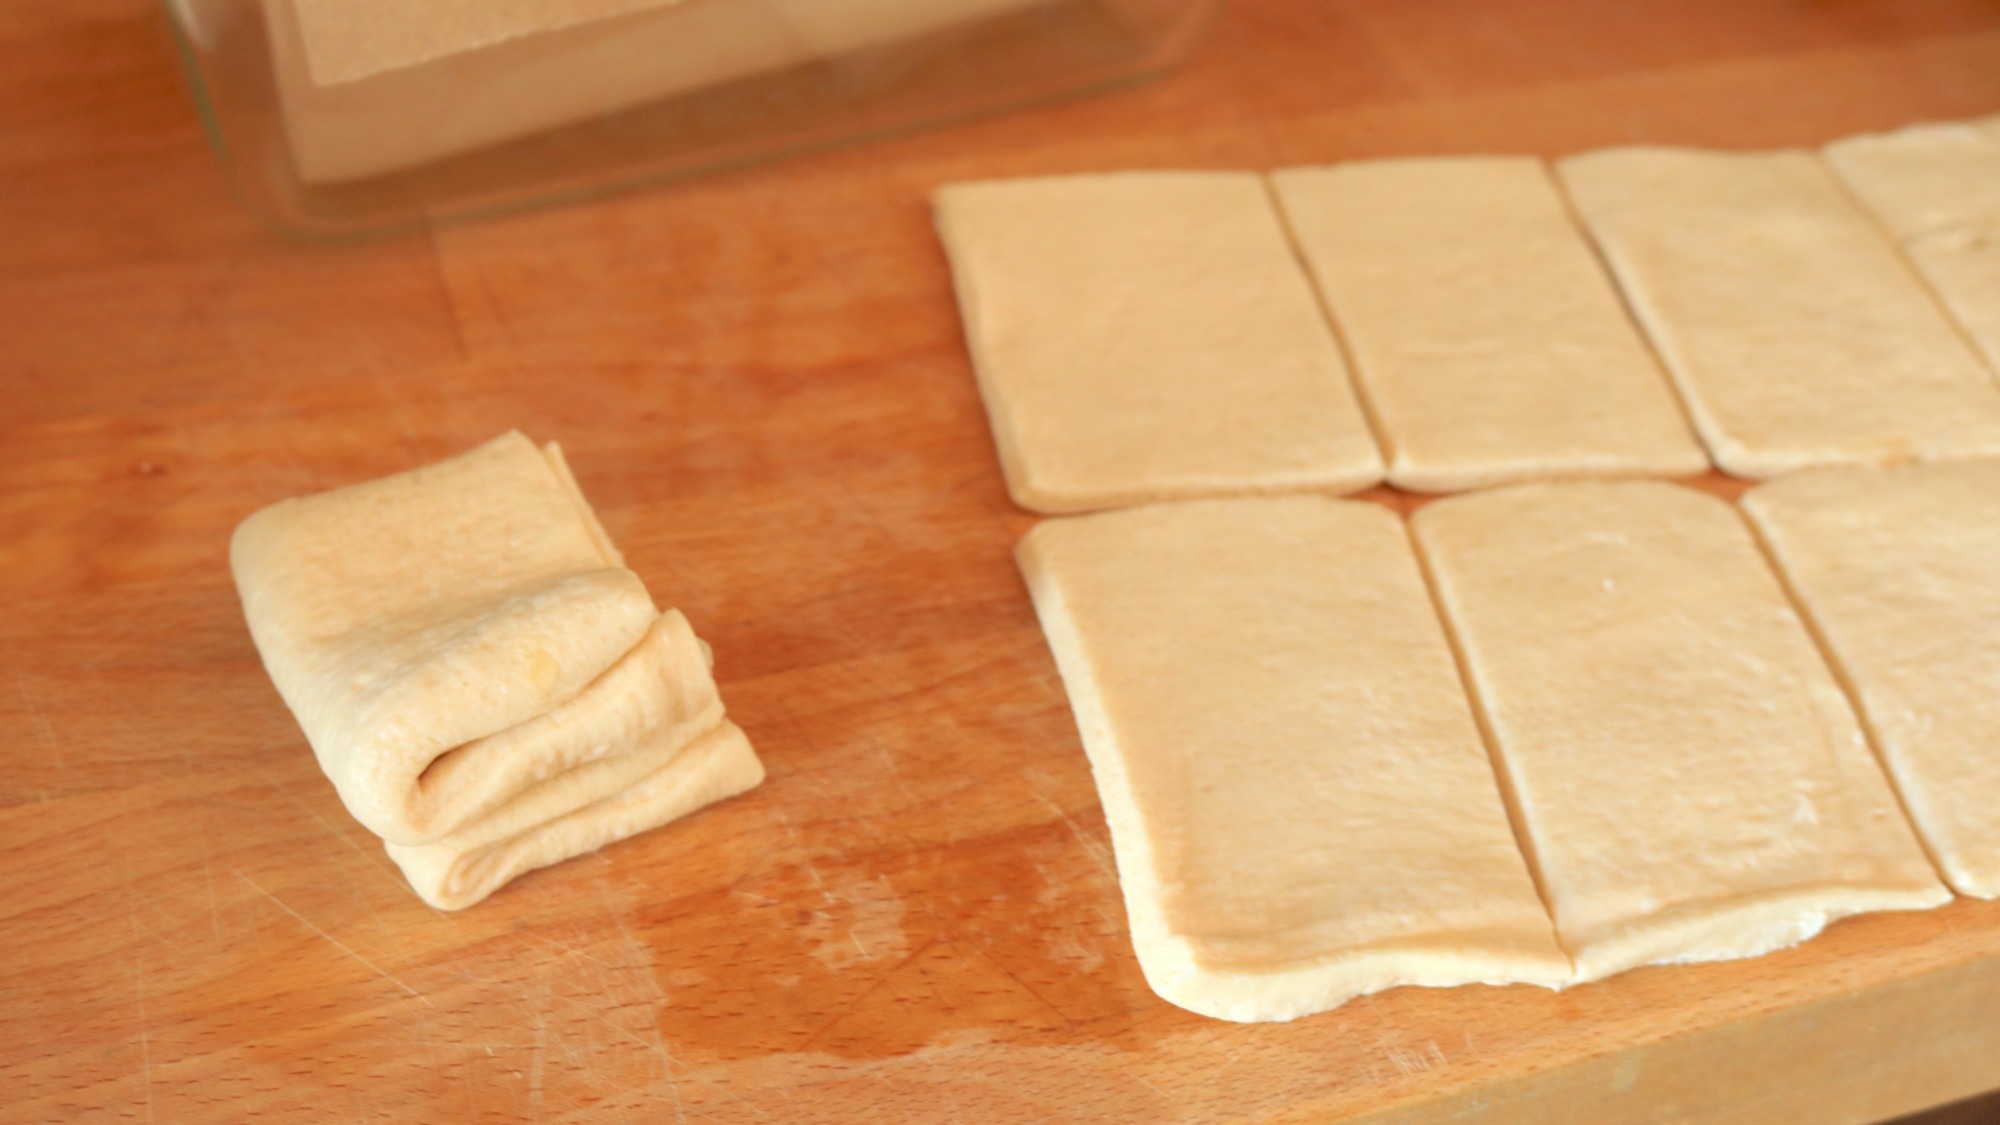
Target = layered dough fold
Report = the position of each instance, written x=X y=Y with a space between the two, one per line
x=487 y=686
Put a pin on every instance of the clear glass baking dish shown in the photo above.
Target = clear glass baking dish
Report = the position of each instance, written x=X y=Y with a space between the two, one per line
x=349 y=117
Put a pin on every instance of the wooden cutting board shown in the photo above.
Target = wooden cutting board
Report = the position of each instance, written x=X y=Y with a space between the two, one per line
x=760 y=381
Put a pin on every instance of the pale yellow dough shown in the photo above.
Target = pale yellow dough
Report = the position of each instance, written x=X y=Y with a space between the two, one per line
x=1299 y=799
x=1900 y=571
x=1693 y=782
x=1796 y=333
x=1148 y=335
x=1486 y=338
x=466 y=652
x=1936 y=188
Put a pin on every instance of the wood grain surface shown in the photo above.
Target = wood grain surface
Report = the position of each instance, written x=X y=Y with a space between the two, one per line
x=760 y=382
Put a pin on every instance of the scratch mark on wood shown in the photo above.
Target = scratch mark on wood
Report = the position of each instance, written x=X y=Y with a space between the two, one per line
x=568 y=951
x=145 y=1024
x=334 y=941
x=1408 y=1063
x=875 y=985
x=658 y=1047
x=667 y=1064
x=537 y=1063
x=1090 y=846
x=1025 y=987
x=331 y=830
x=40 y=721
x=943 y=1080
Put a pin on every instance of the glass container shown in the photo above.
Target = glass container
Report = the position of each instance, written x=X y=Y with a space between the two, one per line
x=350 y=117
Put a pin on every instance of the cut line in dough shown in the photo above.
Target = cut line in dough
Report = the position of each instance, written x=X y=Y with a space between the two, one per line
x=1489 y=341
x=1900 y=571
x=1936 y=188
x=1300 y=803
x=1694 y=782
x=1148 y=335
x=1796 y=333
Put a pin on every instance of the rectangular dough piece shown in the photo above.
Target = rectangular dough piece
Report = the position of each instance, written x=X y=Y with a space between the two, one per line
x=1148 y=335
x=1299 y=799
x=1693 y=783
x=1937 y=190
x=465 y=649
x=1796 y=333
x=1899 y=570
x=1487 y=340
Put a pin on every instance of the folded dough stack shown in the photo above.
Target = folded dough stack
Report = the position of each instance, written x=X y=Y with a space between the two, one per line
x=488 y=687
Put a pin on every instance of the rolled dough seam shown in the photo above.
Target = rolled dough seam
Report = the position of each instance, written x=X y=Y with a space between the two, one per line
x=1796 y=333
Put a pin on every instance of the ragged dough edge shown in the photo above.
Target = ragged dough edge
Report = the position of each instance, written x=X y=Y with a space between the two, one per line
x=1731 y=929
x=1173 y=968
x=464 y=868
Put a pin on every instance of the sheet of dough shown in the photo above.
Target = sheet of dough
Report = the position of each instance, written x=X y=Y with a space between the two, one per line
x=1148 y=335
x=1486 y=337
x=463 y=648
x=1693 y=782
x=1299 y=799
x=1900 y=572
x=1937 y=190
x=1795 y=332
